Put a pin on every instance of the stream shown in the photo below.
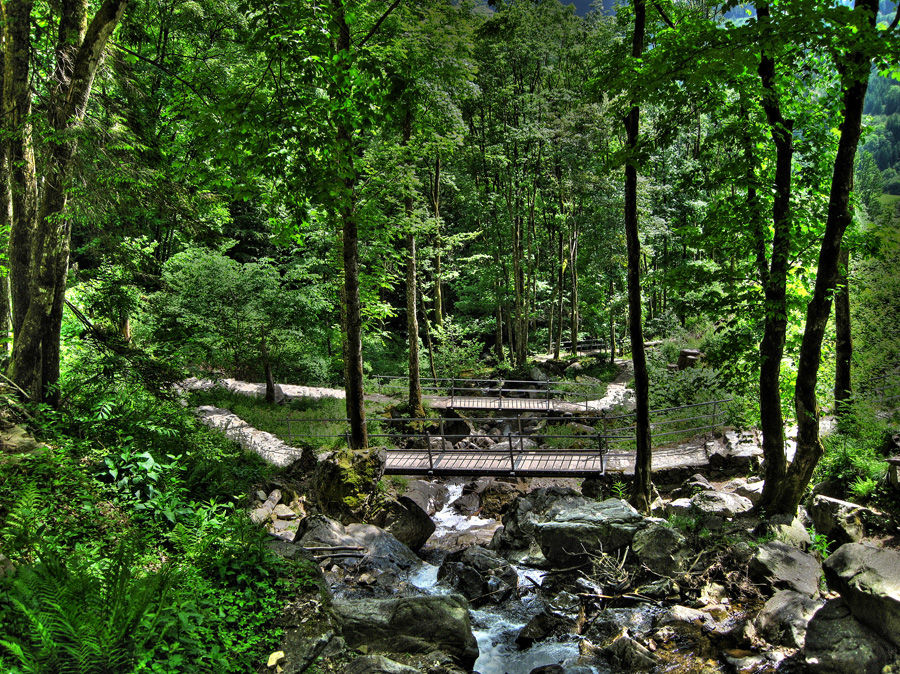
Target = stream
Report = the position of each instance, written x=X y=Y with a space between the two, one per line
x=496 y=626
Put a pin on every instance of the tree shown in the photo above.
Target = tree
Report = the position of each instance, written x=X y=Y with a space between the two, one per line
x=855 y=46
x=40 y=227
x=640 y=491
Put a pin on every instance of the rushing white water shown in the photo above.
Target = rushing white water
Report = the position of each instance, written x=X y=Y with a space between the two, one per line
x=496 y=628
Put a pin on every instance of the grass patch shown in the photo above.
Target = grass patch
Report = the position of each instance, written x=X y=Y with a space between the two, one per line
x=296 y=422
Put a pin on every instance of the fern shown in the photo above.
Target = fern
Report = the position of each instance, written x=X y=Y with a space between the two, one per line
x=74 y=622
x=21 y=529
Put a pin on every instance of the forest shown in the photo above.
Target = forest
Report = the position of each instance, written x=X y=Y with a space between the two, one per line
x=355 y=209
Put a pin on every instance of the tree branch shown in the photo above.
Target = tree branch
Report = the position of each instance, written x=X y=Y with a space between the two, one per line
x=896 y=19
x=378 y=23
x=162 y=69
x=662 y=13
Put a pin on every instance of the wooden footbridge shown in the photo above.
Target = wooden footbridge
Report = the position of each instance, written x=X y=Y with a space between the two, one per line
x=529 y=463
x=563 y=446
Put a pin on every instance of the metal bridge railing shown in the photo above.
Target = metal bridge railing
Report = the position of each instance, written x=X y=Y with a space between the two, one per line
x=606 y=432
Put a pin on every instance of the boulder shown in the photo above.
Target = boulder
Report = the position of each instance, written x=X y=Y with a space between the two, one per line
x=784 y=618
x=526 y=511
x=569 y=531
x=407 y=522
x=837 y=643
x=429 y=496
x=694 y=484
x=749 y=490
x=783 y=567
x=382 y=552
x=624 y=654
x=410 y=625
x=467 y=504
x=786 y=529
x=345 y=482
x=868 y=580
x=481 y=575
x=841 y=521
x=662 y=549
x=640 y=621
x=496 y=496
x=719 y=503
x=544 y=625
x=737 y=453
x=456 y=427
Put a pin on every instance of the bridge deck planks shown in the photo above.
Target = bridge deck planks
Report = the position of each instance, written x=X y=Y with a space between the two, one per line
x=548 y=463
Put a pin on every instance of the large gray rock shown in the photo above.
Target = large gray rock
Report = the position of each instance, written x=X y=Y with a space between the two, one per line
x=784 y=567
x=784 y=618
x=429 y=496
x=837 y=643
x=736 y=453
x=720 y=503
x=662 y=548
x=481 y=575
x=786 y=529
x=570 y=531
x=528 y=510
x=410 y=625
x=382 y=552
x=868 y=580
x=841 y=521
x=407 y=522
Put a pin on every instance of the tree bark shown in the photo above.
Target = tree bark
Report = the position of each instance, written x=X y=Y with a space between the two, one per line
x=412 y=322
x=573 y=274
x=612 y=323
x=771 y=349
x=353 y=386
x=557 y=343
x=436 y=199
x=640 y=493
x=40 y=232
x=267 y=370
x=855 y=69
x=844 y=339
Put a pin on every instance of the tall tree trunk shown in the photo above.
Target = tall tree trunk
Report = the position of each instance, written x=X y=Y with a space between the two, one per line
x=5 y=223
x=39 y=237
x=412 y=323
x=428 y=343
x=771 y=348
x=436 y=200
x=573 y=296
x=612 y=323
x=640 y=493
x=557 y=344
x=267 y=370
x=844 y=339
x=353 y=385
x=855 y=67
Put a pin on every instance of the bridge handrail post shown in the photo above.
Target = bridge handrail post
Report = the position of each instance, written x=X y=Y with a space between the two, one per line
x=500 y=396
x=512 y=458
x=452 y=391
x=715 y=416
x=430 y=457
x=549 y=386
x=443 y=435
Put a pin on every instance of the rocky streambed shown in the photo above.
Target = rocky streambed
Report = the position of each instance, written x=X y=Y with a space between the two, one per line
x=562 y=582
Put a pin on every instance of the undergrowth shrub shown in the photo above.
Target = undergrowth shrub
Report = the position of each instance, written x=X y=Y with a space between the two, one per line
x=60 y=619
x=855 y=456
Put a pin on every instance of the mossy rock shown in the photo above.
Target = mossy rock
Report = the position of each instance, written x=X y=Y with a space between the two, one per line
x=346 y=484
